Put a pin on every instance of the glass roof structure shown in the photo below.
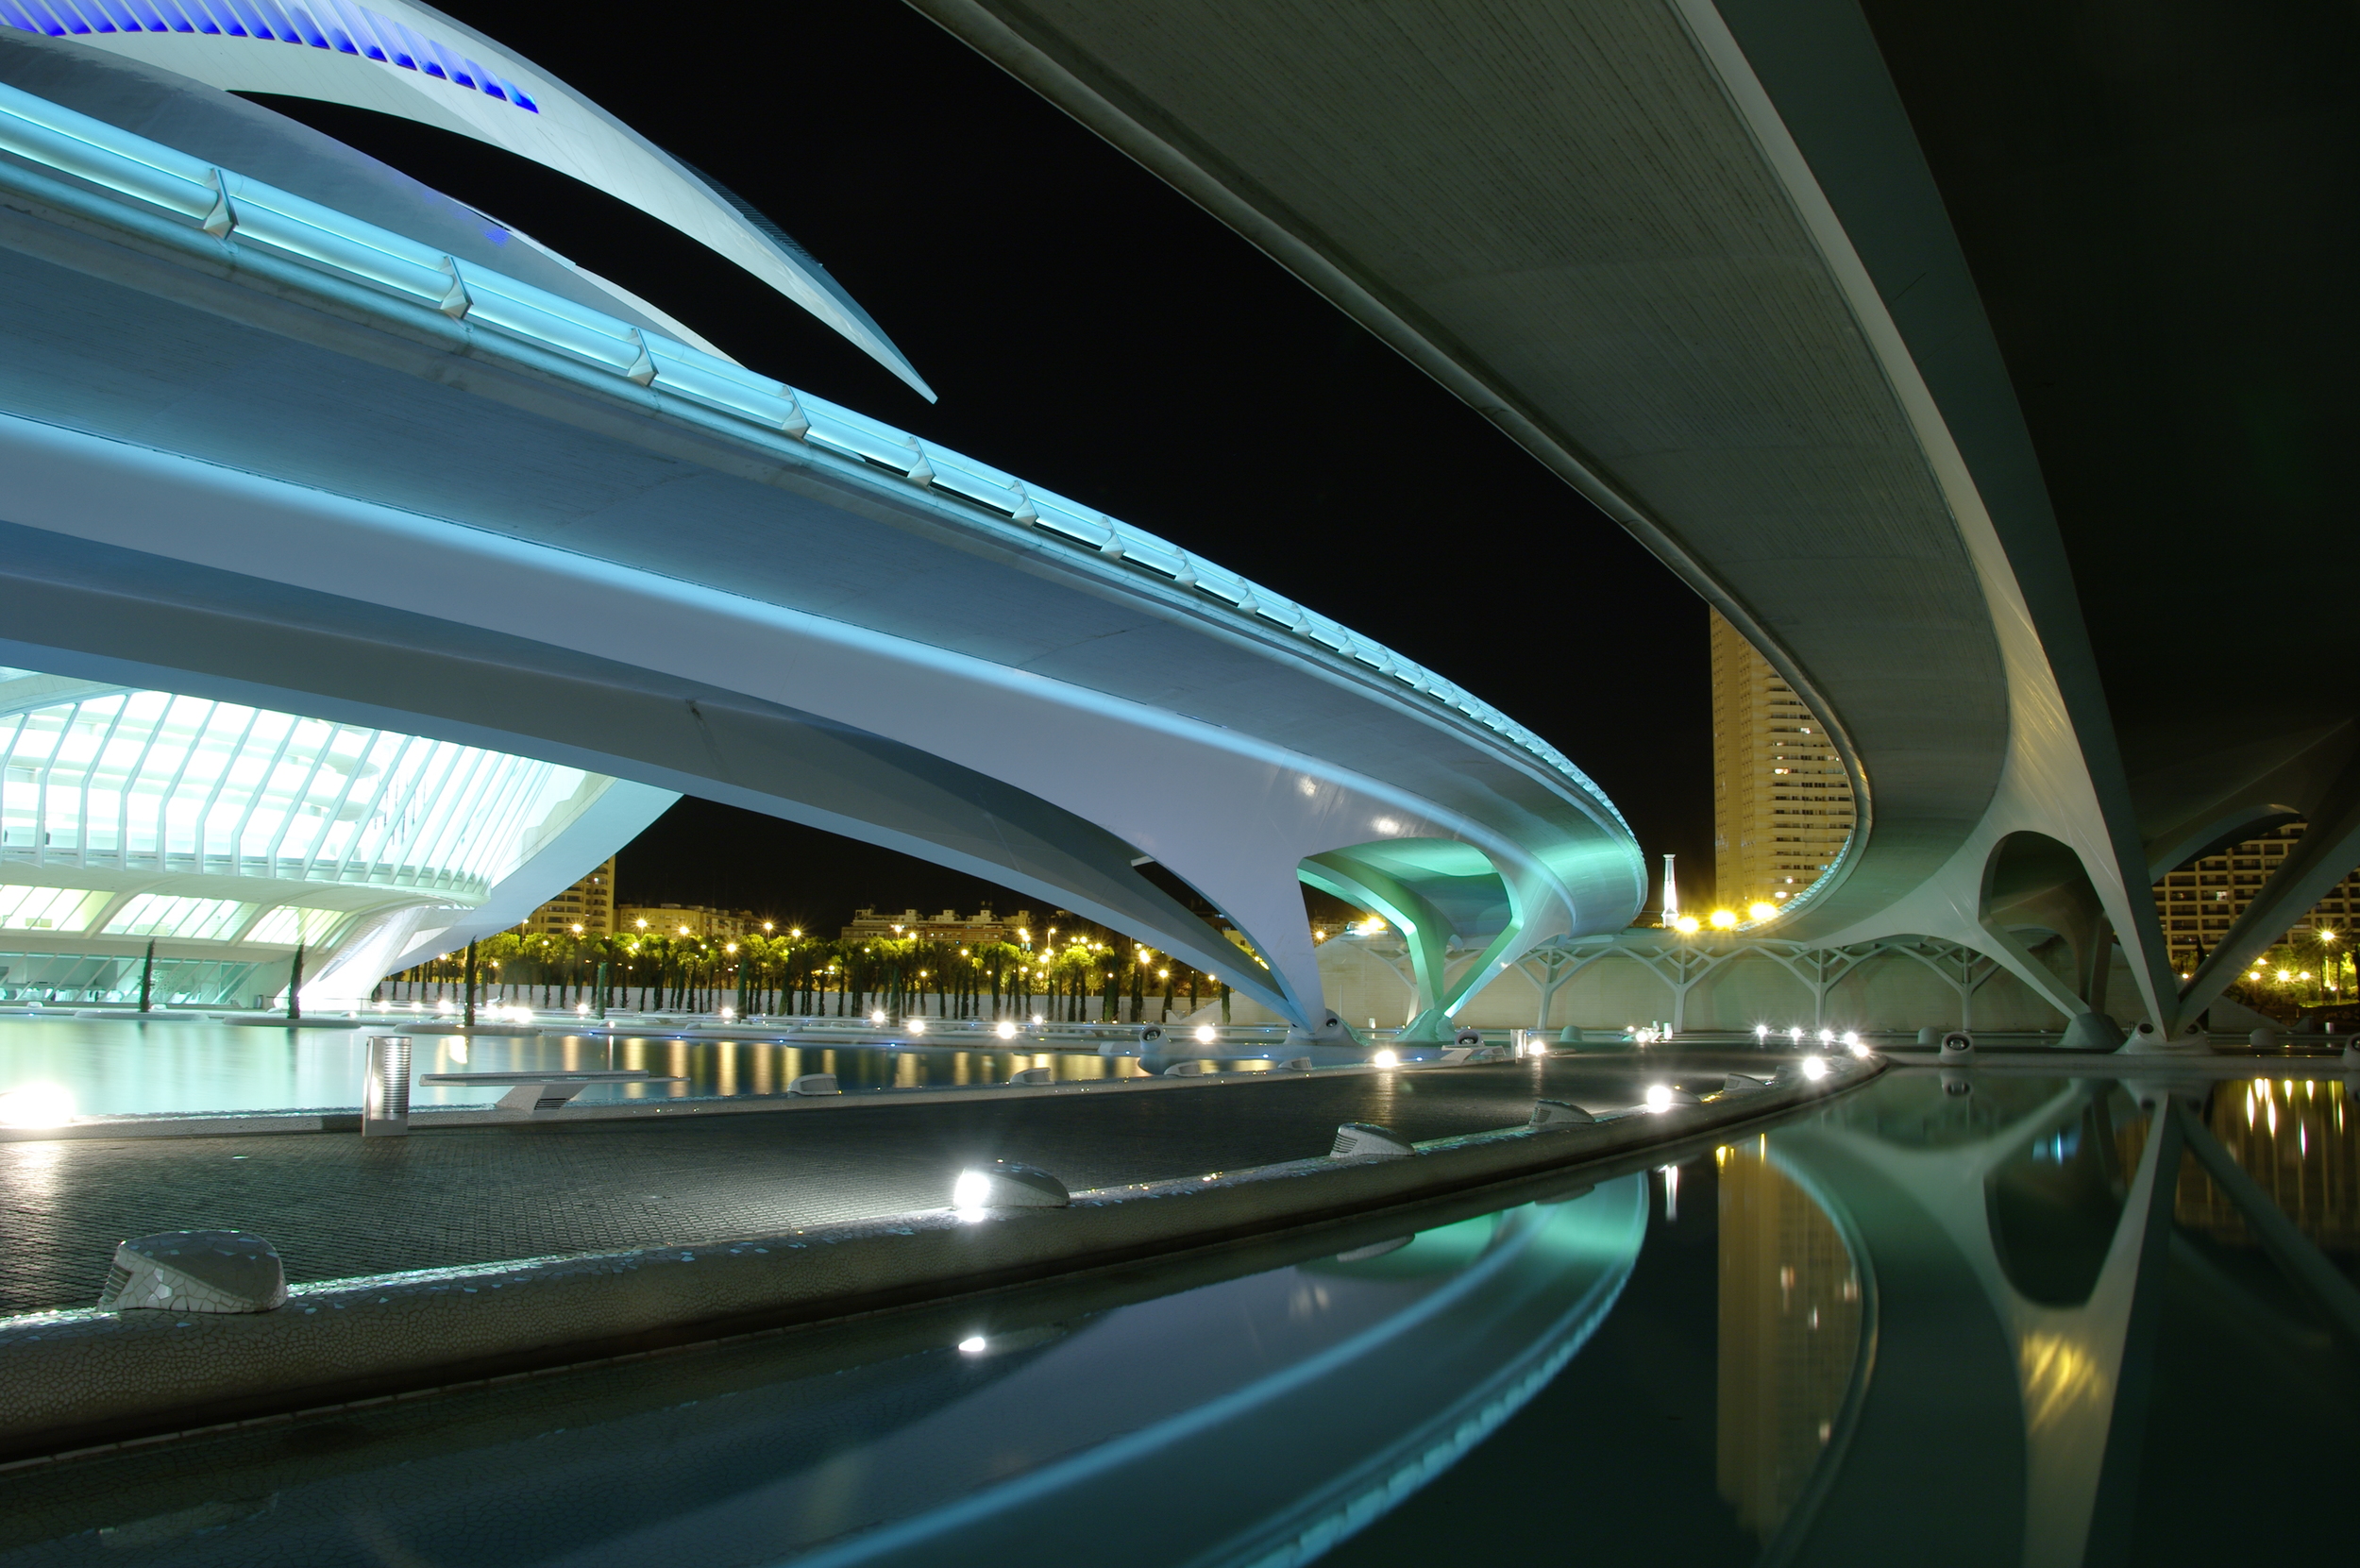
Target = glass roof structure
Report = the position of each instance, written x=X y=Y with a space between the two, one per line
x=145 y=780
x=235 y=833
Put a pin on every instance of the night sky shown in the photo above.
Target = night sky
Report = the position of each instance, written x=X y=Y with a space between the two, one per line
x=1086 y=327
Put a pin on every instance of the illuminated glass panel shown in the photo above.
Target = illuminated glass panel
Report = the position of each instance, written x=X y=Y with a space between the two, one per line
x=137 y=781
x=190 y=919
x=287 y=925
x=49 y=908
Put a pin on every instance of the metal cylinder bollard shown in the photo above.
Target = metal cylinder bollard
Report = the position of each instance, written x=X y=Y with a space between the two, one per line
x=385 y=1089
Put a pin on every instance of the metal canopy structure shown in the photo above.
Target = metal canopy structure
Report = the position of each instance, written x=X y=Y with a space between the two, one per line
x=519 y=522
x=412 y=61
x=1938 y=351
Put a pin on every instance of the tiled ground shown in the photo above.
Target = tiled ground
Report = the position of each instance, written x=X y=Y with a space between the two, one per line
x=336 y=1204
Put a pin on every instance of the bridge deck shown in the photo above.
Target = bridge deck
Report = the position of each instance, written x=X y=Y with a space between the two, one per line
x=337 y=1205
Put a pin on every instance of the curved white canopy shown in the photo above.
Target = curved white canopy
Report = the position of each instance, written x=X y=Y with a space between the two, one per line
x=412 y=61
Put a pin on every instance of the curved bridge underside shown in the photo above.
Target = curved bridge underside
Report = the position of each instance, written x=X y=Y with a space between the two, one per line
x=232 y=473
x=1941 y=396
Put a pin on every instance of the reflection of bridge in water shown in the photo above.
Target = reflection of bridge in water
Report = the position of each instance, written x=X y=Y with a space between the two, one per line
x=2013 y=1240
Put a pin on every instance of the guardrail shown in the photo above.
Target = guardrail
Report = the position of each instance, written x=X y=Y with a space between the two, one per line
x=224 y=204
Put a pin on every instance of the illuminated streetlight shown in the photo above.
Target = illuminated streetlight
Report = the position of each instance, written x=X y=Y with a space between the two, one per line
x=1758 y=910
x=1688 y=925
x=1723 y=919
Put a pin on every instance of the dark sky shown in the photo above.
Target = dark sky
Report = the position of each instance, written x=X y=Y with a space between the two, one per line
x=1088 y=328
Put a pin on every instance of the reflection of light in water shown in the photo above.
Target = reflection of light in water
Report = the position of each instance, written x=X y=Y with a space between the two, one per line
x=40 y=1105
x=2304 y=1155
x=1790 y=1333
x=2058 y=1375
x=1671 y=1193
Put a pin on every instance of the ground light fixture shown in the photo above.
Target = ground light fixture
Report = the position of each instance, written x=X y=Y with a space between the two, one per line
x=1762 y=1033
x=918 y=1025
x=1814 y=1067
x=1205 y=1034
x=1005 y=1183
x=1796 y=1035
x=877 y=1017
x=1005 y=1029
x=973 y=1345
x=1387 y=1058
x=1659 y=1097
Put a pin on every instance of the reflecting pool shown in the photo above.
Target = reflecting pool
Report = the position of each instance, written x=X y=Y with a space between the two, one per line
x=113 y=1068
x=1953 y=1318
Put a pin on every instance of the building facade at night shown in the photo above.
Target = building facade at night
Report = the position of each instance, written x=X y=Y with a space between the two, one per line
x=585 y=909
x=2201 y=901
x=948 y=926
x=1781 y=799
x=683 y=919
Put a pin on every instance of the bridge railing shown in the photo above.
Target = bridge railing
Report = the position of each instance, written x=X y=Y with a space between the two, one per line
x=227 y=205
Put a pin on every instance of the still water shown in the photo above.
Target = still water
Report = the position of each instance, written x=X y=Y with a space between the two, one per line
x=1968 y=1319
x=117 y=1069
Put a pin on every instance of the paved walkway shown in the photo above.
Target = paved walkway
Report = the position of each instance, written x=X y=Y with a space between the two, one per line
x=336 y=1204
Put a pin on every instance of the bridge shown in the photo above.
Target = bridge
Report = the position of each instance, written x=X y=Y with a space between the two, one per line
x=1948 y=400
x=284 y=428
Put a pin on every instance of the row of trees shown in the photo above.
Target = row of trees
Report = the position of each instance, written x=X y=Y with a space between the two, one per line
x=804 y=975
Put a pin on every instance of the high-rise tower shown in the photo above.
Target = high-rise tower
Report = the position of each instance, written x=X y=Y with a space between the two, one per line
x=1781 y=801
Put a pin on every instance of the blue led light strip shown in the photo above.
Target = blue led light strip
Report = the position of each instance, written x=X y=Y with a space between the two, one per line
x=231 y=206
x=336 y=26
